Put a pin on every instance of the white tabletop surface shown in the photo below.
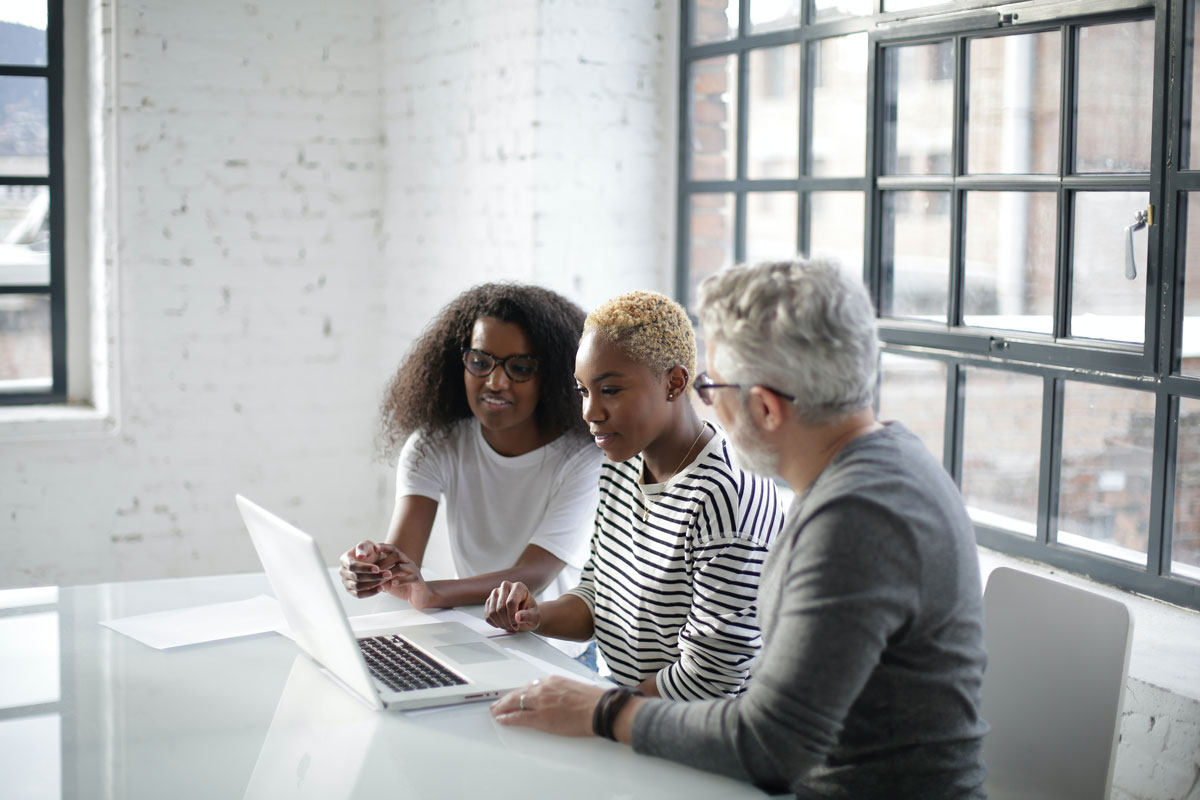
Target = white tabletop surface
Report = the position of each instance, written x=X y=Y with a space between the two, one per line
x=86 y=712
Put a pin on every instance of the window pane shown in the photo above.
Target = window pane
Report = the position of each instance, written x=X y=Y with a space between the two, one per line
x=1185 y=536
x=835 y=228
x=913 y=391
x=839 y=126
x=23 y=31
x=1189 y=346
x=1009 y=260
x=711 y=238
x=24 y=126
x=774 y=15
x=24 y=341
x=1106 y=304
x=916 y=255
x=1191 y=104
x=1107 y=448
x=773 y=149
x=1116 y=75
x=714 y=118
x=714 y=20
x=1013 y=110
x=24 y=236
x=919 y=93
x=771 y=219
x=1002 y=435
x=821 y=10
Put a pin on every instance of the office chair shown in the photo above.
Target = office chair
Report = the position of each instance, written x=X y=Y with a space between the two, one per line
x=1055 y=683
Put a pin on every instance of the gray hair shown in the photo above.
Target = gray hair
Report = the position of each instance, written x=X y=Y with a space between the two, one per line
x=801 y=327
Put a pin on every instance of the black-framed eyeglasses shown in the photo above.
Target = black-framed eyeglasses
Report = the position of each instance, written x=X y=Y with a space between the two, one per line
x=704 y=386
x=518 y=368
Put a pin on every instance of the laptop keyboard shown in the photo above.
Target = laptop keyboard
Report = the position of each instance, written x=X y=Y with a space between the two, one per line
x=403 y=667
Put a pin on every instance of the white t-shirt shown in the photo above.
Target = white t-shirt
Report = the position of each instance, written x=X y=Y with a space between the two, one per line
x=498 y=505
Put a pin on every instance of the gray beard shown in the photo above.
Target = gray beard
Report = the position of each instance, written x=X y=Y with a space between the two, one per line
x=751 y=453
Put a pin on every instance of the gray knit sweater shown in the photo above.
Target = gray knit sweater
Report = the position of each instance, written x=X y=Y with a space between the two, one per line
x=868 y=682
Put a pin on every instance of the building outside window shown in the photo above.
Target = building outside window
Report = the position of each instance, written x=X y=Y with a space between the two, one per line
x=32 y=283
x=1011 y=181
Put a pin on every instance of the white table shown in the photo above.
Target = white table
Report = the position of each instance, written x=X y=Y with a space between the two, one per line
x=252 y=717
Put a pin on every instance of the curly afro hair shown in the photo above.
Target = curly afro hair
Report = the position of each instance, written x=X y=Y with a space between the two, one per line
x=426 y=393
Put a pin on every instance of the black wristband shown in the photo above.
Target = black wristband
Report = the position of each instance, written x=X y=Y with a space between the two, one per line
x=598 y=713
x=611 y=703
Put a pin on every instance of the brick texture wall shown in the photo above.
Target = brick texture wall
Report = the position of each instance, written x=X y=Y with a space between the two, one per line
x=300 y=185
x=530 y=140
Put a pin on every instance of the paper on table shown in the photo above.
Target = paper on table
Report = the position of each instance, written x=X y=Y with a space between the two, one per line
x=165 y=629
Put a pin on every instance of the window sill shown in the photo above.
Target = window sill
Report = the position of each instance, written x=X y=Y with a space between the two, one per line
x=1166 y=638
x=36 y=422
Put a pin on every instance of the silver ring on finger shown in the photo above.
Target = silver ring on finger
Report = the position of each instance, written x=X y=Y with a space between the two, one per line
x=523 y=702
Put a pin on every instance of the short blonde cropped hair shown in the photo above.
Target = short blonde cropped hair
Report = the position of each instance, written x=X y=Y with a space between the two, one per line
x=649 y=328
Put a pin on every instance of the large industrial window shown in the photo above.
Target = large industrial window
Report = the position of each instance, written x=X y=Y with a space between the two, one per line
x=1012 y=182
x=33 y=345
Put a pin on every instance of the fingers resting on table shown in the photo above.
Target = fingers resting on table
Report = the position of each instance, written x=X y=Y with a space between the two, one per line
x=555 y=705
x=512 y=607
x=366 y=568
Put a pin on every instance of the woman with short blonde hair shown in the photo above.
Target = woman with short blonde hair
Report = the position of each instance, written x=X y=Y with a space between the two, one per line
x=681 y=532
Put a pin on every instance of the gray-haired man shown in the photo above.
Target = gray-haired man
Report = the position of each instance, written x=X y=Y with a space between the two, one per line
x=868 y=681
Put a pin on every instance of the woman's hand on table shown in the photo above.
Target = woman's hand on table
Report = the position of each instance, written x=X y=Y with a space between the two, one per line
x=512 y=607
x=408 y=584
x=370 y=567
x=366 y=567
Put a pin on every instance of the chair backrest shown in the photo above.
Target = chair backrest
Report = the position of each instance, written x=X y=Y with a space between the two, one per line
x=1058 y=657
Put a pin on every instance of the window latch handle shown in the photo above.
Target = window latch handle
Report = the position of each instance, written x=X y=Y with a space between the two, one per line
x=1140 y=220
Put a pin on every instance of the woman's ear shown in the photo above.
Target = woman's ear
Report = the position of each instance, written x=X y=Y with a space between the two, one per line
x=677 y=381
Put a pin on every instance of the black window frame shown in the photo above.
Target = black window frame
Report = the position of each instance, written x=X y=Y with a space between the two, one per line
x=1152 y=366
x=53 y=72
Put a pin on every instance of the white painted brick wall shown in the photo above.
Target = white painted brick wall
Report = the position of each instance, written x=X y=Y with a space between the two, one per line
x=458 y=115
x=250 y=186
x=606 y=133
x=1158 y=756
x=300 y=185
x=527 y=139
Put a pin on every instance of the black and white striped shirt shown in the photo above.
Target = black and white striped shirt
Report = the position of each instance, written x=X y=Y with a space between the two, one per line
x=673 y=595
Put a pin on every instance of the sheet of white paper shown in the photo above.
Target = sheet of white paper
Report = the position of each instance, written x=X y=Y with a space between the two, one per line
x=164 y=629
x=551 y=669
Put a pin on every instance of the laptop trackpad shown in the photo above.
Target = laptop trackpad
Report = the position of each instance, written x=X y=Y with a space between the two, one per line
x=474 y=653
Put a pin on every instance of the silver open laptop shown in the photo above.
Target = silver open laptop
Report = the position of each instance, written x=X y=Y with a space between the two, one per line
x=417 y=666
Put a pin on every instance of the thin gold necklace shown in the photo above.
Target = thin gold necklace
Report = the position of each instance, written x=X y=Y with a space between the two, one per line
x=645 y=500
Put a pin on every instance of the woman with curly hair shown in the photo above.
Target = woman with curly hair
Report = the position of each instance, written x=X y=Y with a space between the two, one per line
x=681 y=531
x=484 y=411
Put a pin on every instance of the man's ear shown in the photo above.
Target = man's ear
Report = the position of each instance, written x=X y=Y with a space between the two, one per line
x=767 y=410
x=677 y=381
